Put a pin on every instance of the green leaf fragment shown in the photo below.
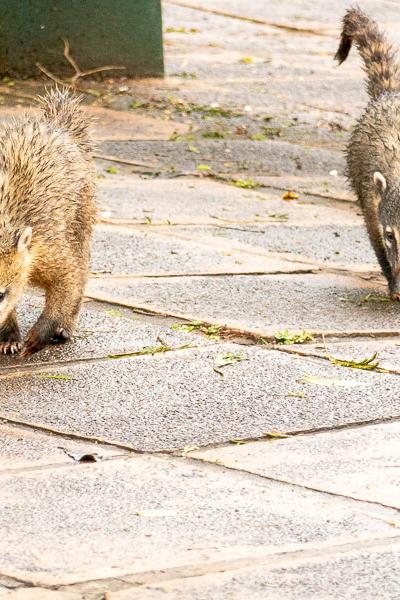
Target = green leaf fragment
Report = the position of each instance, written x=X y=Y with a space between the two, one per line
x=372 y=298
x=284 y=337
x=114 y=313
x=212 y=331
x=49 y=376
x=230 y=358
x=275 y=435
x=247 y=184
x=366 y=364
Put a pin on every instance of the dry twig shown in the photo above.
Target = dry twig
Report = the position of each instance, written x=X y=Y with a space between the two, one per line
x=78 y=71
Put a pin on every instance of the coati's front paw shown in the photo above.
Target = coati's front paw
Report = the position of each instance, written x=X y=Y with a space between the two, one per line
x=41 y=335
x=10 y=347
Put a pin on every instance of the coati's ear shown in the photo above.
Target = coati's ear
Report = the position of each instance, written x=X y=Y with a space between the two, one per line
x=380 y=181
x=24 y=240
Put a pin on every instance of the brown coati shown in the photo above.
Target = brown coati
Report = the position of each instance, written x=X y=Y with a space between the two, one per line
x=47 y=214
x=373 y=153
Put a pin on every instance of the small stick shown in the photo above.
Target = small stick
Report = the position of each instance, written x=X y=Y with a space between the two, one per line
x=123 y=161
x=78 y=72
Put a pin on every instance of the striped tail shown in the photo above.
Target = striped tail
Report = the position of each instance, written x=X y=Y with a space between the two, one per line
x=380 y=63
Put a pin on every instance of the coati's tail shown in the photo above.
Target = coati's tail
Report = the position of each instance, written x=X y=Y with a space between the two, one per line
x=379 y=58
x=63 y=109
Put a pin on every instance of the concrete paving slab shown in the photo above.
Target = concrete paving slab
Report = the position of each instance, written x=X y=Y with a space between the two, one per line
x=361 y=463
x=102 y=330
x=336 y=244
x=26 y=448
x=325 y=186
x=267 y=157
x=40 y=594
x=303 y=13
x=368 y=575
x=175 y=400
x=201 y=201
x=104 y=520
x=335 y=303
x=289 y=72
x=127 y=251
x=111 y=124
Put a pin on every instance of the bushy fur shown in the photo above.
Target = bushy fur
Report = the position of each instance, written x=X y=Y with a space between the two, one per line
x=46 y=186
x=373 y=153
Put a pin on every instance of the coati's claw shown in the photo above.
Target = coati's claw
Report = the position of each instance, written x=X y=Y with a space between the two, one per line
x=61 y=336
x=10 y=347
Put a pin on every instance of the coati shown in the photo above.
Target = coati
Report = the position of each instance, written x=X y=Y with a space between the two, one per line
x=373 y=152
x=47 y=213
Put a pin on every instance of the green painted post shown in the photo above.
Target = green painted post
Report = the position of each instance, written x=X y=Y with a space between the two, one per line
x=100 y=32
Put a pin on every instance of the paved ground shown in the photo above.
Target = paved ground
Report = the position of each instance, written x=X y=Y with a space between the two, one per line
x=175 y=449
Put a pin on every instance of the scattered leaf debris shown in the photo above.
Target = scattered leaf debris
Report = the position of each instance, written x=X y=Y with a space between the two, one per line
x=278 y=216
x=373 y=298
x=258 y=137
x=112 y=170
x=149 y=350
x=230 y=358
x=275 y=435
x=59 y=376
x=366 y=364
x=284 y=337
x=247 y=184
x=114 y=313
x=211 y=331
x=296 y=394
x=85 y=457
x=246 y=60
x=290 y=195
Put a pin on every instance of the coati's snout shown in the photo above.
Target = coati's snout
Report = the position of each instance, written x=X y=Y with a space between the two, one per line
x=389 y=219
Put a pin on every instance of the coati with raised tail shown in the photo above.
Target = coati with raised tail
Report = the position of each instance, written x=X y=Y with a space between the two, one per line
x=373 y=153
x=47 y=214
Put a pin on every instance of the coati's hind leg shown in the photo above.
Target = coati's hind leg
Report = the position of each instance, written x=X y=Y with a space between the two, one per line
x=10 y=337
x=57 y=321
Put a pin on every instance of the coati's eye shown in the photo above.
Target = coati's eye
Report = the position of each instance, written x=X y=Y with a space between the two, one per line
x=389 y=236
x=2 y=295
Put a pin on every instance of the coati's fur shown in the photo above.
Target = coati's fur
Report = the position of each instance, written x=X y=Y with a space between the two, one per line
x=373 y=153
x=47 y=214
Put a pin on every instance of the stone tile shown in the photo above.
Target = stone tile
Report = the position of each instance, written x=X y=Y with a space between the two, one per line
x=304 y=15
x=40 y=594
x=325 y=185
x=202 y=201
x=102 y=330
x=174 y=400
x=334 y=303
x=127 y=125
x=105 y=520
x=273 y=157
x=115 y=125
x=123 y=251
x=362 y=463
x=25 y=448
x=336 y=243
x=368 y=574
